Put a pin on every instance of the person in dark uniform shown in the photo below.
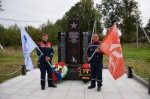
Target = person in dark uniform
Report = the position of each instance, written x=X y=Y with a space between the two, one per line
x=96 y=63
x=47 y=50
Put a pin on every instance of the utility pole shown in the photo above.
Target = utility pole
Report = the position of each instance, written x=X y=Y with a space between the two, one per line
x=146 y=34
x=137 y=32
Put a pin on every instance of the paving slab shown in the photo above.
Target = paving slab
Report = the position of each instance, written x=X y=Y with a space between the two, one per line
x=28 y=87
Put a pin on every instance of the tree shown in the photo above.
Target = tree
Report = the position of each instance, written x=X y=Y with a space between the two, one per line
x=12 y=36
x=130 y=18
x=34 y=33
x=147 y=28
x=125 y=13
x=1 y=9
x=110 y=12
x=51 y=31
x=84 y=11
x=2 y=31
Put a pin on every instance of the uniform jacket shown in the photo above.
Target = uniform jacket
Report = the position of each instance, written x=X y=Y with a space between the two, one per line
x=46 y=49
x=98 y=56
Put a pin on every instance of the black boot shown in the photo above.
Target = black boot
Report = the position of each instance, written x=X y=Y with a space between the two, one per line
x=43 y=88
x=52 y=85
x=98 y=88
x=91 y=86
x=42 y=84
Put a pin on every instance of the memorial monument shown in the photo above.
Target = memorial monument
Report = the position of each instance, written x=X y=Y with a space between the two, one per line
x=72 y=47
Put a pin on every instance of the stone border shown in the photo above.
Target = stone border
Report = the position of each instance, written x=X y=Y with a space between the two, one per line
x=131 y=74
x=137 y=78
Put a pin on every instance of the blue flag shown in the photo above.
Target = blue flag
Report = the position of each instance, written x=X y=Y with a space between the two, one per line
x=28 y=45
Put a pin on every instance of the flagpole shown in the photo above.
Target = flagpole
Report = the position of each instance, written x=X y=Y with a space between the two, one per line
x=93 y=29
x=42 y=54
x=93 y=54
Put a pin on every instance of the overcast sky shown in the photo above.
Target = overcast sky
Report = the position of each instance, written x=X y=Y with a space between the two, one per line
x=40 y=11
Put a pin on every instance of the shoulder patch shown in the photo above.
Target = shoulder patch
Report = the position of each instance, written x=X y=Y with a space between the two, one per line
x=41 y=44
x=49 y=45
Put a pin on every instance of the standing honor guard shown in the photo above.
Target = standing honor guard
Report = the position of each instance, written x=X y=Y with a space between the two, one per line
x=96 y=62
x=47 y=50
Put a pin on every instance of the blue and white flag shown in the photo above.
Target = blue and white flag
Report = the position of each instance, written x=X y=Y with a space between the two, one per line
x=28 y=45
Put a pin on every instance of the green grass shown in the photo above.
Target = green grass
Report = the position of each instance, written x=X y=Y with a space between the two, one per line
x=136 y=56
x=12 y=59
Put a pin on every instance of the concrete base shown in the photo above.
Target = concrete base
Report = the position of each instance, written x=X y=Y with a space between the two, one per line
x=73 y=74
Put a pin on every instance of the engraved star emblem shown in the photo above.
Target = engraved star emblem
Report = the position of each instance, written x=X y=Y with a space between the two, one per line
x=73 y=25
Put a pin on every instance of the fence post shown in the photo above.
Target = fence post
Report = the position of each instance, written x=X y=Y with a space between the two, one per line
x=149 y=86
x=130 y=75
x=23 y=70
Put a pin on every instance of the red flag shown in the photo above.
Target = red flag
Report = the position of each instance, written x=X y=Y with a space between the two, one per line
x=112 y=48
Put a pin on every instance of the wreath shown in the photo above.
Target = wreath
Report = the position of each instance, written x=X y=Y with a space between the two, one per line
x=60 y=71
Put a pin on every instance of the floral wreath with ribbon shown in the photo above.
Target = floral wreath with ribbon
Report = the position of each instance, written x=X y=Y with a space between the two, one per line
x=60 y=71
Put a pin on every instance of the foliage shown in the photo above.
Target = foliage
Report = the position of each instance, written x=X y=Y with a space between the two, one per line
x=125 y=13
x=130 y=16
x=85 y=12
x=34 y=33
x=10 y=36
x=2 y=36
x=109 y=9
x=147 y=28
x=1 y=9
x=51 y=31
